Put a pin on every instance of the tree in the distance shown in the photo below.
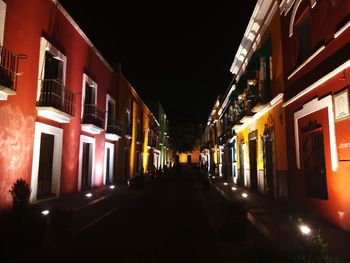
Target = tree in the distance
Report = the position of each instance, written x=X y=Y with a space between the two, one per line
x=184 y=132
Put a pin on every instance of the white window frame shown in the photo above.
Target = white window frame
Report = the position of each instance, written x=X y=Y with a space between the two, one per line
x=108 y=99
x=109 y=146
x=57 y=158
x=86 y=139
x=129 y=116
x=90 y=82
x=2 y=21
x=47 y=46
x=309 y=108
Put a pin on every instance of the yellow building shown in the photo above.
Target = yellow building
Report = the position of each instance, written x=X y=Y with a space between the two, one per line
x=245 y=133
x=257 y=97
x=138 y=149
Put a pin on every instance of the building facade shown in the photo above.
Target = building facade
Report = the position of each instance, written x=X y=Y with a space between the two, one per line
x=316 y=37
x=159 y=112
x=247 y=126
x=63 y=108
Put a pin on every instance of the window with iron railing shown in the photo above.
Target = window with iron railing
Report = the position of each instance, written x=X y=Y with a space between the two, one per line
x=93 y=115
x=9 y=68
x=53 y=94
x=113 y=126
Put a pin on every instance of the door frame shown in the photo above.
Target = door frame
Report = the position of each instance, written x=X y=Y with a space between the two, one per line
x=109 y=146
x=86 y=139
x=56 y=159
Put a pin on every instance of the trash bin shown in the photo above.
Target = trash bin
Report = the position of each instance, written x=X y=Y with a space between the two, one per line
x=234 y=221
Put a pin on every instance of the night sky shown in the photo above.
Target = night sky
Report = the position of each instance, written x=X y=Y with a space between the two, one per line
x=177 y=52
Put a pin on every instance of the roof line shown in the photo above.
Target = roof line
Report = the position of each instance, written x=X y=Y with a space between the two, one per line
x=82 y=34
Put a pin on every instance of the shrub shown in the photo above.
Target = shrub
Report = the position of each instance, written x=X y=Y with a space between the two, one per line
x=20 y=192
x=26 y=223
x=313 y=247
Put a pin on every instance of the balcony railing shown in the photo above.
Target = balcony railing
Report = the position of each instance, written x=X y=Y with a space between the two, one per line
x=53 y=94
x=92 y=115
x=113 y=127
x=9 y=70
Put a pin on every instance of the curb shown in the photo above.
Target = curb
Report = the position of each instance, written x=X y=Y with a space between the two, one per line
x=261 y=227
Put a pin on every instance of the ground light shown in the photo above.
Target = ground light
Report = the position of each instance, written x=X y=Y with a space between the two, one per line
x=45 y=212
x=88 y=195
x=304 y=229
x=112 y=186
x=244 y=195
x=225 y=183
x=234 y=188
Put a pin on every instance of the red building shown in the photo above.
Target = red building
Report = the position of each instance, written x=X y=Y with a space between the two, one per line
x=60 y=102
x=316 y=44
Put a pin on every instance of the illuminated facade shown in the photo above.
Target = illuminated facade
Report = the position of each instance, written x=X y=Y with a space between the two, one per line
x=255 y=107
x=210 y=143
x=139 y=147
x=189 y=158
x=316 y=38
x=163 y=121
x=247 y=126
x=66 y=116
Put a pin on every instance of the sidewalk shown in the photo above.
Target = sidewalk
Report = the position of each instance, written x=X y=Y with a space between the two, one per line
x=78 y=211
x=272 y=219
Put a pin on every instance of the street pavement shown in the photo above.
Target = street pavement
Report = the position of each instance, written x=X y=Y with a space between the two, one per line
x=172 y=220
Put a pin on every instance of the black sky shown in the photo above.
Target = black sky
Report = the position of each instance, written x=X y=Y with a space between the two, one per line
x=178 y=52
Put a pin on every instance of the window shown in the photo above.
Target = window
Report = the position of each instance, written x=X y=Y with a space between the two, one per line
x=138 y=136
x=92 y=117
x=53 y=67
x=314 y=161
x=127 y=123
x=52 y=73
x=110 y=111
x=304 y=38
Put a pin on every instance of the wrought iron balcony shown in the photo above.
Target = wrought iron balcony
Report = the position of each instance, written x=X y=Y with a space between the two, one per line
x=92 y=121
x=113 y=131
x=262 y=95
x=8 y=72
x=56 y=102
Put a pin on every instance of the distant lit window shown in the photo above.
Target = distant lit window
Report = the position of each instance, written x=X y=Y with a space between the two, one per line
x=139 y=132
x=127 y=122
